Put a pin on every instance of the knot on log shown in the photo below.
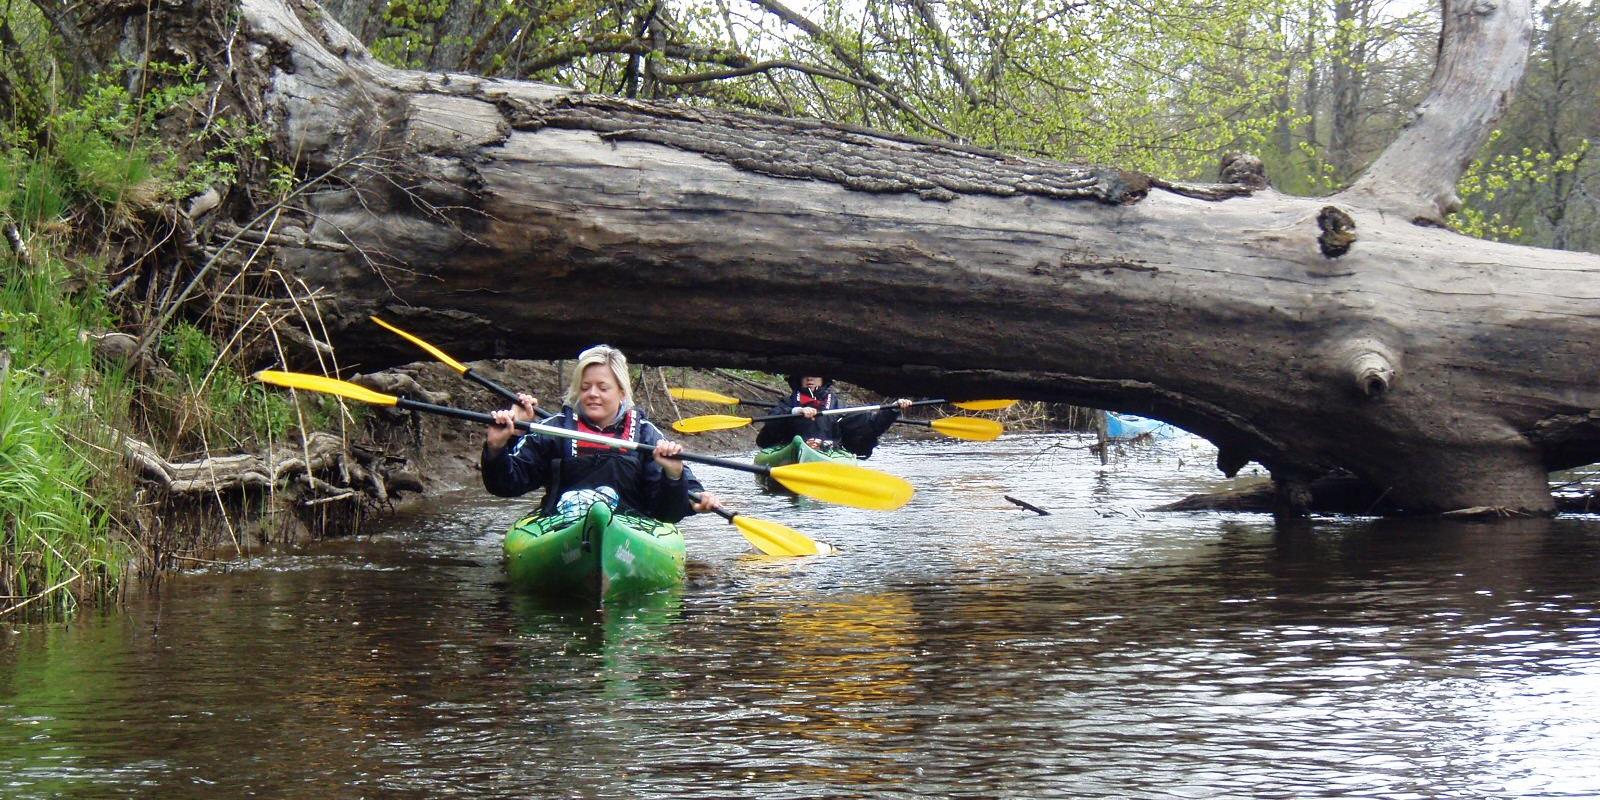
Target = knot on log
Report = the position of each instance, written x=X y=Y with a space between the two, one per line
x=1243 y=169
x=1372 y=366
x=1338 y=232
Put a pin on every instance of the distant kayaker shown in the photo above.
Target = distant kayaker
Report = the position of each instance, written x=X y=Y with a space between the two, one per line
x=814 y=394
x=599 y=401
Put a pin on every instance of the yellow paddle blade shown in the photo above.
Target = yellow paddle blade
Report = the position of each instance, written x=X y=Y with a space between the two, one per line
x=709 y=422
x=971 y=428
x=775 y=539
x=986 y=405
x=319 y=383
x=702 y=396
x=433 y=351
x=845 y=484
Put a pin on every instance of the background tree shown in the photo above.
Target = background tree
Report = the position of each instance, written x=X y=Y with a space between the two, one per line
x=1537 y=182
x=1164 y=88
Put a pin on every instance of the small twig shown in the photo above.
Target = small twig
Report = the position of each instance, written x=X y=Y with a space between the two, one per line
x=335 y=498
x=740 y=379
x=667 y=389
x=45 y=593
x=216 y=490
x=62 y=558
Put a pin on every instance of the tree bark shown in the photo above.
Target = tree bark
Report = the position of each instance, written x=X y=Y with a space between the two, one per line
x=511 y=219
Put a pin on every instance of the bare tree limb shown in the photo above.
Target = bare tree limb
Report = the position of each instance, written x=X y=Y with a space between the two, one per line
x=879 y=86
x=1483 y=49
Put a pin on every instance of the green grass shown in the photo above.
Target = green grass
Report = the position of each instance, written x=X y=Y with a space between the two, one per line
x=76 y=178
x=55 y=453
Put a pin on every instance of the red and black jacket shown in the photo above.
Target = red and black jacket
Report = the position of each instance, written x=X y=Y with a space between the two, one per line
x=857 y=432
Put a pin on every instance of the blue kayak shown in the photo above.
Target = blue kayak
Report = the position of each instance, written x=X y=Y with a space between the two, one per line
x=1128 y=426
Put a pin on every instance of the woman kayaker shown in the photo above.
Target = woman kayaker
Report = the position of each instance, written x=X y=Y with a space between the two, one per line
x=814 y=394
x=577 y=474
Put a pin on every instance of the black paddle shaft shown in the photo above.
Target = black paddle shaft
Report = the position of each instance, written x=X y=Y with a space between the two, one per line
x=472 y=375
x=721 y=512
x=487 y=419
x=854 y=409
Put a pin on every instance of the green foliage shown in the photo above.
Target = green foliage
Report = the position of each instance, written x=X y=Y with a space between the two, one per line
x=104 y=150
x=26 y=77
x=213 y=402
x=51 y=528
x=190 y=351
x=409 y=37
x=1533 y=182
x=73 y=175
x=55 y=450
x=30 y=190
x=1490 y=177
x=1166 y=89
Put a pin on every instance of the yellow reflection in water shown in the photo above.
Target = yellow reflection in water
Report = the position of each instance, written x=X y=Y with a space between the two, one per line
x=846 y=679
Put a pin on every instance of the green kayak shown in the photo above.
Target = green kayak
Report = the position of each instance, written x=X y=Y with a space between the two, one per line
x=602 y=554
x=798 y=452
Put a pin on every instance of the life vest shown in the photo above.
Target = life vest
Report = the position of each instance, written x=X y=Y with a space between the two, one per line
x=806 y=399
x=627 y=431
x=588 y=465
x=824 y=429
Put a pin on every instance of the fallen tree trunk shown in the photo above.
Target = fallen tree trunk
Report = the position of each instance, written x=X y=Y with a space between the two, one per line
x=514 y=219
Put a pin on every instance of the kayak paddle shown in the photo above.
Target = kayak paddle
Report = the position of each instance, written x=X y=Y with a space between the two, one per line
x=984 y=405
x=974 y=429
x=969 y=405
x=466 y=371
x=708 y=396
x=844 y=484
x=771 y=538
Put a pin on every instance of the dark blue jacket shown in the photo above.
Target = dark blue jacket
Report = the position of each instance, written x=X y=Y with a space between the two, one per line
x=858 y=432
x=562 y=465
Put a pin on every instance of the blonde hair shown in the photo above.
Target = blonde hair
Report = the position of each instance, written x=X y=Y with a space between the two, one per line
x=604 y=354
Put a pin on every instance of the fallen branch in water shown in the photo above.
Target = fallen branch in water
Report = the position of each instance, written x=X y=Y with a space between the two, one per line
x=1029 y=506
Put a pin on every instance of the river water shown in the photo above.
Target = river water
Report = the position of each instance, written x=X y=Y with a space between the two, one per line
x=960 y=647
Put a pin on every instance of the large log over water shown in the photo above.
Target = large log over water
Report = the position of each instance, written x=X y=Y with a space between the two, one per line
x=520 y=220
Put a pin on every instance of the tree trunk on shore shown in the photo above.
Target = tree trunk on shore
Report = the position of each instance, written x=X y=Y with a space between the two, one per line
x=514 y=219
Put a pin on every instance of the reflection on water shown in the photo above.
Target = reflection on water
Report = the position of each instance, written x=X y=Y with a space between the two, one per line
x=959 y=648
